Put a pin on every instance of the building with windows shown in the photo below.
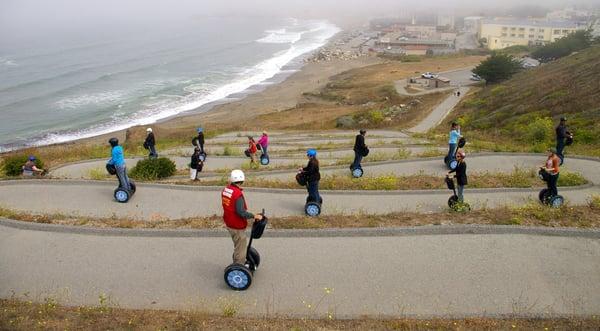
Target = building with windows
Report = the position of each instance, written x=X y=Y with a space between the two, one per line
x=502 y=33
x=472 y=24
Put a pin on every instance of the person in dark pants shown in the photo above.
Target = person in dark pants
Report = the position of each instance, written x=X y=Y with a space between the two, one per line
x=199 y=140
x=313 y=176
x=461 y=174
x=562 y=133
x=196 y=164
x=118 y=160
x=150 y=143
x=552 y=169
x=360 y=149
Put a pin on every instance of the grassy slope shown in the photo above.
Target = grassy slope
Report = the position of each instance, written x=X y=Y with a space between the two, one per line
x=520 y=114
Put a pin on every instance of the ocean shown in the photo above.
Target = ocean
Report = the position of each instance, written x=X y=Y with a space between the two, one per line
x=58 y=86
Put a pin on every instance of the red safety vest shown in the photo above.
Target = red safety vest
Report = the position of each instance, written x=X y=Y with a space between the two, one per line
x=229 y=197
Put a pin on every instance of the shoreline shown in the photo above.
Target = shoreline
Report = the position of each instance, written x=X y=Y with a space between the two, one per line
x=281 y=91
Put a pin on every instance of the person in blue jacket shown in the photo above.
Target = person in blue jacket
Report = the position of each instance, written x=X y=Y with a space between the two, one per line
x=118 y=160
x=453 y=140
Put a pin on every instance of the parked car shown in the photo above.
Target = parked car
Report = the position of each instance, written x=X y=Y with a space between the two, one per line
x=475 y=77
x=429 y=75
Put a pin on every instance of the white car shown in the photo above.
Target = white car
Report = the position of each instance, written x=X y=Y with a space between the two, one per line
x=429 y=75
x=475 y=77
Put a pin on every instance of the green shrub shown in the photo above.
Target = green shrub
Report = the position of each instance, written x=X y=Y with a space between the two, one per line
x=13 y=165
x=151 y=169
x=376 y=116
x=539 y=131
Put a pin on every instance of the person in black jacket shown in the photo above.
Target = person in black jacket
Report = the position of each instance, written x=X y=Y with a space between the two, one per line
x=196 y=164
x=360 y=149
x=311 y=171
x=561 y=135
x=150 y=143
x=461 y=174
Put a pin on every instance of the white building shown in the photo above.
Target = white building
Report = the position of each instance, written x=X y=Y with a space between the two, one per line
x=445 y=20
x=472 y=24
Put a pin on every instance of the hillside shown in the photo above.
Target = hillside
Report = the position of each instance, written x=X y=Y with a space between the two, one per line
x=520 y=114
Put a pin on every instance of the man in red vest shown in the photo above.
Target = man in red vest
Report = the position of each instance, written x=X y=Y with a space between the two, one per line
x=235 y=215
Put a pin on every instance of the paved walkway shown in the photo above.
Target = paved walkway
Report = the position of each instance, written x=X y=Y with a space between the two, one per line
x=154 y=200
x=422 y=275
x=440 y=112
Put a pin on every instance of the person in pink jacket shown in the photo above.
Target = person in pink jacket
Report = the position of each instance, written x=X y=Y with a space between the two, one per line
x=264 y=143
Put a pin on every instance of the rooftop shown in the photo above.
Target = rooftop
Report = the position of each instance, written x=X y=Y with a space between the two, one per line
x=529 y=22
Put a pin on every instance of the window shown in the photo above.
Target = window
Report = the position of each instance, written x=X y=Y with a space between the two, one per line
x=556 y=32
x=541 y=30
x=565 y=31
x=521 y=35
x=504 y=35
x=531 y=30
x=541 y=37
x=521 y=29
x=531 y=36
x=512 y=35
x=504 y=28
x=513 y=29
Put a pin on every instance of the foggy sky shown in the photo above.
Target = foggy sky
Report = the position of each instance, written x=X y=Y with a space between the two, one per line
x=39 y=13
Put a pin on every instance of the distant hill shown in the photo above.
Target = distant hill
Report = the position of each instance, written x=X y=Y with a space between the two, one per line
x=520 y=114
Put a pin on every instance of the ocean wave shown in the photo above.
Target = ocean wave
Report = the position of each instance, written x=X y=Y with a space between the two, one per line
x=281 y=36
x=7 y=62
x=168 y=106
x=90 y=99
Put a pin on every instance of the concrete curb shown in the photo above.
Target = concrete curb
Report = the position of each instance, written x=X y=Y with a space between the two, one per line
x=312 y=233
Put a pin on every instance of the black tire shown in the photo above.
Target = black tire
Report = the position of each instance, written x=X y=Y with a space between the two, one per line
x=264 y=160
x=122 y=195
x=452 y=201
x=312 y=209
x=357 y=172
x=556 y=201
x=238 y=277
x=253 y=258
x=543 y=195
x=453 y=164
x=132 y=186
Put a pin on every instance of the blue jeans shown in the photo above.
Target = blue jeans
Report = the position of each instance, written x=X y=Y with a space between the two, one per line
x=153 y=153
x=264 y=150
x=123 y=179
x=356 y=162
x=451 y=151
x=313 y=191
x=459 y=193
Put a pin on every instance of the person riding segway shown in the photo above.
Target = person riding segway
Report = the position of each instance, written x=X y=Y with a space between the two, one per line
x=311 y=176
x=563 y=138
x=116 y=166
x=263 y=142
x=550 y=173
x=461 y=181
x=455 y=142
x=246 y=259
x=360 y=150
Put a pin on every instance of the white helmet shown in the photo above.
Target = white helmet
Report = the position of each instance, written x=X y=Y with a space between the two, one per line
x=237 y=176
x=149 y=130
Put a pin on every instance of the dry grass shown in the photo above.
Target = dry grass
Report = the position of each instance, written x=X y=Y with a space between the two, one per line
x=27 y=315
x=531 y=214
x=518 y=178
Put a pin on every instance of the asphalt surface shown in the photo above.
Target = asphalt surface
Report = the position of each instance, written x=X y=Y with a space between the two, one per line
x=420 y=276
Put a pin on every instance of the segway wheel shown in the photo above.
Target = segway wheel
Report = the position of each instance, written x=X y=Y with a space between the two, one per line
x=543 y=195
x=357 y=172
x=556 y=201
x=253 y=258
x=452 y=201
x=312 y=209
x=453 y=164
x=264 y=160
x=238 y=277
x=132 y=186
x=121 y=195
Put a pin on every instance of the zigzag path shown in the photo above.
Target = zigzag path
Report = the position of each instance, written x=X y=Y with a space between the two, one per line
x=429 y=271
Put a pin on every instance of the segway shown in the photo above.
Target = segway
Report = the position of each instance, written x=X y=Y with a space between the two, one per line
x=546 y=197
x=311 y=208
x=451 y=161
x=239 y=276
x=453 y=200
x=264 y=159
x=121 y=194
x=202 y=156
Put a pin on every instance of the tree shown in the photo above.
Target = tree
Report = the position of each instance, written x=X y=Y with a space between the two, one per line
x=564 y=46
x=497 y=67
